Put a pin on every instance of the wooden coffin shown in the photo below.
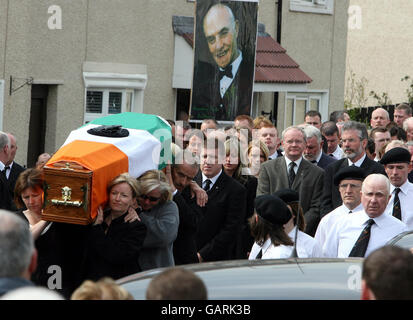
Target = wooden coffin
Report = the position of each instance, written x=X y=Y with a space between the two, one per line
x=76 y=180
x=67 y=193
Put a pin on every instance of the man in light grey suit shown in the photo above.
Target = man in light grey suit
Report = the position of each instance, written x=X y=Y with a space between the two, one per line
x=293 y=172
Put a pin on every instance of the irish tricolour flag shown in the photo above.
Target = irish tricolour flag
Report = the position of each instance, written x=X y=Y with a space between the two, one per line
x=108 y=157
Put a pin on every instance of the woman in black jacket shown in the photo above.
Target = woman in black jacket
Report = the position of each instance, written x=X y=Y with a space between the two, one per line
x=114 y=245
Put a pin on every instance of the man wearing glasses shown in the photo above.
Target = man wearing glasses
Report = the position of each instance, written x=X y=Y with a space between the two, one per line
x=354 y=141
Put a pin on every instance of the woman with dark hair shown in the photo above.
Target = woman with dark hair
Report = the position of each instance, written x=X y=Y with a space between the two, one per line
x=28 y=196
x=306 y=246
x=236 y=166
x=114 y=245
x=267 y=228
x=161 y=217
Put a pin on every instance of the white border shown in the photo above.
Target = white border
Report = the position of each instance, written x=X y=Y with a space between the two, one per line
x=304 y=6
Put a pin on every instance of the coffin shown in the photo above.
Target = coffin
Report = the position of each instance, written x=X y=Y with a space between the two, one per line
x=77 y=175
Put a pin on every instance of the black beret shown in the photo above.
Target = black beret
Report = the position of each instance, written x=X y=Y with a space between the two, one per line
x=272 y=209
x=396 y=155
x=350 y=172
x=287 y=195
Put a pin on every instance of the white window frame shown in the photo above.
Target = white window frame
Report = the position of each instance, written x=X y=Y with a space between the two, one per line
x=315 y=6
x=322 y=96
x=115 y=82
x=105 y=103
x=1 y=103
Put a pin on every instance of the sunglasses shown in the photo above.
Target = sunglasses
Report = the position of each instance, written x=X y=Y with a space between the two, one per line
x=151 y=199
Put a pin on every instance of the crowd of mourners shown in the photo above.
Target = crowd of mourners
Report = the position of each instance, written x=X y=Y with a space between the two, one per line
x=338 y=188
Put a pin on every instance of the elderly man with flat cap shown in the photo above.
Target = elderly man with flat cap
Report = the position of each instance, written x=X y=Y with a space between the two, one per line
x=306 y=246
x=396 y=162
x=348 y=180
x=267 y=228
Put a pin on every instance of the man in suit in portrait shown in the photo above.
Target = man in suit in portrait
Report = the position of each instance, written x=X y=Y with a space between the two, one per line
x=222 y=217
x=292 y=171
x=223 y=90
x=354 y=139
x=314 y=148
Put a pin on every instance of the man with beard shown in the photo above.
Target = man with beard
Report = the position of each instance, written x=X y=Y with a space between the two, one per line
x=354 y=140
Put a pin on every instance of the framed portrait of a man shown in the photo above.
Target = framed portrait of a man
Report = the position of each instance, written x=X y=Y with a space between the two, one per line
x=224 y=59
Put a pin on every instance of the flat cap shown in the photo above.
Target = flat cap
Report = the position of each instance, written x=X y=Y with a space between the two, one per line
x=287 y=195
x=272 y=209
x=350 y=172
x=396 y=155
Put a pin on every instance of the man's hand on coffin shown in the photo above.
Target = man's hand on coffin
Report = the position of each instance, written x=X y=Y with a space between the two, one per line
x=199 y=193
x=132 y=215
x=167 y=171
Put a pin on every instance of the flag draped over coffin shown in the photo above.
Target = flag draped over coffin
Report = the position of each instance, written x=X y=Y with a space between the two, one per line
x=108 y=157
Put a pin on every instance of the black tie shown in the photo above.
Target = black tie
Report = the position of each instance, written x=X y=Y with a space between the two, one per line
x=331 y=155
x=5 y=171
x=291 y=173
x=360 y=247
x=207 y=185
x=314 y=161
x=259 y=255
x=397 y=211
x=226 y=72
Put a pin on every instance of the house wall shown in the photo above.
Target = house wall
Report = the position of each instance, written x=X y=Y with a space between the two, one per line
x=317 y=42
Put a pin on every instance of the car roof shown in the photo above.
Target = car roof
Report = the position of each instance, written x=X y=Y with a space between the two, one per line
x=295 y=279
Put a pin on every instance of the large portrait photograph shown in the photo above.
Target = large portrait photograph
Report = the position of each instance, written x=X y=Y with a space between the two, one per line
x=224 y=59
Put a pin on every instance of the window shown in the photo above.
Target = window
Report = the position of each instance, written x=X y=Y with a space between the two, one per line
x=314 y=6
x=297 y=104
x=103 y=102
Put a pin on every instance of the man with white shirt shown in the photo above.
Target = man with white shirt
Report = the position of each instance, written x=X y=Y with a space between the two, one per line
x=220 y=221
x=348 y=180
x=292 y=171
x=354 y=138
x=331 y=133
x=358 y=234
x=396 y=162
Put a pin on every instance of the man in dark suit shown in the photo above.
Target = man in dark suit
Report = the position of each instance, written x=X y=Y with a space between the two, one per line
x=222 y=217
x=223 y=90
x=13 y=169
x=314 y=148
x=354 y=139
x=292 y=171
x=6 y=199
x=180 y=176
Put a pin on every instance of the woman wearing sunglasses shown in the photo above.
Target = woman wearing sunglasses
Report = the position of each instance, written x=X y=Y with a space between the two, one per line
x=161 y=217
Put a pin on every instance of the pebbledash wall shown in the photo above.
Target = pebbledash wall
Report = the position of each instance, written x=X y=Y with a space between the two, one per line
x=86 y=50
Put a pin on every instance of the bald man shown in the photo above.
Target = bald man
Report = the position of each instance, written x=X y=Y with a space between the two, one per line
x=224 y=89
x=379 y=118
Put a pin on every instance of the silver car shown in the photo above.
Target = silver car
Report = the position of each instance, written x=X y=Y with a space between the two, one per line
x=278 y=279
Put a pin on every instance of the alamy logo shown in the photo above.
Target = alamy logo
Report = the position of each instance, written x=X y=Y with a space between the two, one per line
x=55 y=20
